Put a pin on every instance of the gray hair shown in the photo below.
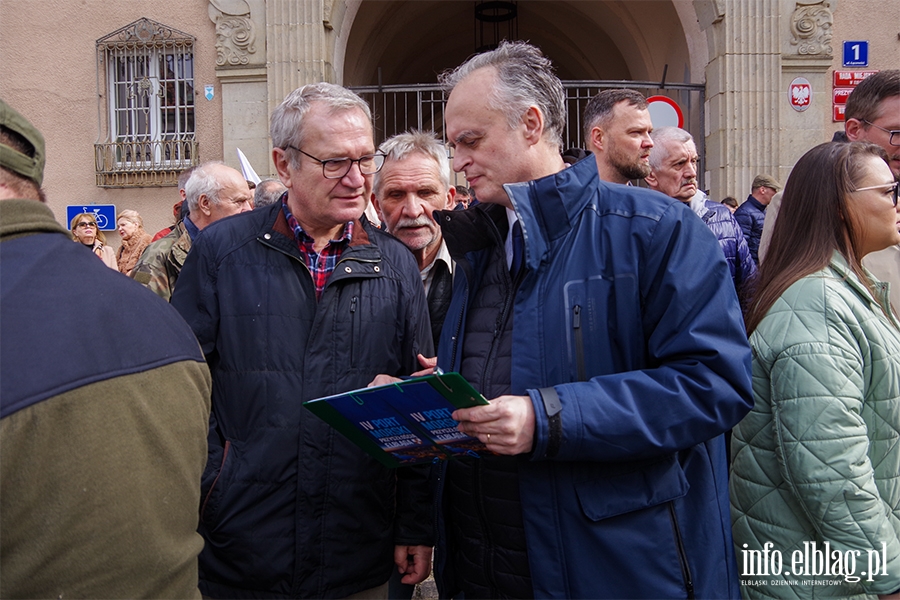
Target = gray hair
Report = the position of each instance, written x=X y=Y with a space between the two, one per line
x=660 y=137
x=525 y=78
x=203 y=181
x=414 y=141
x=268 y=191
x=600 y=108
x=184 y=176
x=286 y=125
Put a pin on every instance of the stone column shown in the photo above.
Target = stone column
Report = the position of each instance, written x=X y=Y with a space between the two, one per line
x=806 y=51
x=298 y=51
x=241 y=70
x=743 y=86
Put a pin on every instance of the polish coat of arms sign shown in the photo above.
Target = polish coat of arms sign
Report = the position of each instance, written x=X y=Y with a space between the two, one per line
x=800 y=94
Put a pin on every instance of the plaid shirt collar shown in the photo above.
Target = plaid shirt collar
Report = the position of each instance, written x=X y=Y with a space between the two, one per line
x=320 y=264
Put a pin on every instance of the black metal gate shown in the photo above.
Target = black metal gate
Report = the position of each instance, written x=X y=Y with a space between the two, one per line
x=397 y=108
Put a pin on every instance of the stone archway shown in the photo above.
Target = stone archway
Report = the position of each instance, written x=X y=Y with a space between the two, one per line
x=407 y=42
x=404 y=44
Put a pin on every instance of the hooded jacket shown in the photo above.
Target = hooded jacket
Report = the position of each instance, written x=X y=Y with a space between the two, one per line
x=635 y=362
x=290 y=507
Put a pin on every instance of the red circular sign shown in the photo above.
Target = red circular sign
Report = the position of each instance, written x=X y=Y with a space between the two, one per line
x=665 y=112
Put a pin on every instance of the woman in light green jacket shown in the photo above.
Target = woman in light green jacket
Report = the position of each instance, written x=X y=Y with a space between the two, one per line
x=815 y=486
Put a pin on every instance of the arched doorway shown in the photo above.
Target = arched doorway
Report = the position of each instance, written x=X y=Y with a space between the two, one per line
x=409 y=42
x=393 y=52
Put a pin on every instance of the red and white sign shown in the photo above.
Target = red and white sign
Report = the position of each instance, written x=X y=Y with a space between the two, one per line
x=850 y=79
x=841 y=94
x=844 y=82
x=664 y=112
x=800 y=94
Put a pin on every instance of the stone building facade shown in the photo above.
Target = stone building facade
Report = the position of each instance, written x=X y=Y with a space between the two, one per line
x=122 y=115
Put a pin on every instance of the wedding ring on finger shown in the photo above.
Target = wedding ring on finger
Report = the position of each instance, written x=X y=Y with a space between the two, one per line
x=489 y=439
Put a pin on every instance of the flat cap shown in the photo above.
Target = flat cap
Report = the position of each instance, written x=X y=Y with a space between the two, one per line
x=763 y=180
x=30 y=167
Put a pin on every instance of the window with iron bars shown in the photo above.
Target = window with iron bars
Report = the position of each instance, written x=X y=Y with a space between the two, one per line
x=146 y=78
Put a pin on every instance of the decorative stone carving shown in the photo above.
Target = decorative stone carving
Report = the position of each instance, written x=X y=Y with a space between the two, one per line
x=811 y=28
x=235 y=32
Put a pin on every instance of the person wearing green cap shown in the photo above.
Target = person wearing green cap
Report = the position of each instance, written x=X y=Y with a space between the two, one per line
x=103 y=445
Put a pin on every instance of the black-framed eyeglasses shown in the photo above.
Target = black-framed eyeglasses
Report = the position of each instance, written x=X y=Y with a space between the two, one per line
x=84 y=224
x=894 y=140
x=336 y=168
x=894 y=186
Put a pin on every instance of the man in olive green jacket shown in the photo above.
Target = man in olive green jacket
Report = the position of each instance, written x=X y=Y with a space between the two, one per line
x=102 y=439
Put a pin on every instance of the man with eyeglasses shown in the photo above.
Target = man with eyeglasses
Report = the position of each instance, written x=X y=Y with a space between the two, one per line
x=873 y=115
x=298 y=300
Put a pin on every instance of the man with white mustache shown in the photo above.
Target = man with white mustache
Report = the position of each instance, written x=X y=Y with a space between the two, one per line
x=413 y=183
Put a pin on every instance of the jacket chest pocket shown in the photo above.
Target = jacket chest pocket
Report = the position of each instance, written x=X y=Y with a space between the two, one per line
x=602 y=318
x=360 y=325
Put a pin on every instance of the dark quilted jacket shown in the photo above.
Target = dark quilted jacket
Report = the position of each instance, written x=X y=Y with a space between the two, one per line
x=290 y=507
x=731 y=239
x=482 y=504
x=750 y=216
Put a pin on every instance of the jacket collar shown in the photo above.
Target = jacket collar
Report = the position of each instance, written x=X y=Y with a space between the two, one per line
x=274 y=230
x=881 y=300
x=754 y=202
x=477 y=228
x=548 y=206
x=26 y=217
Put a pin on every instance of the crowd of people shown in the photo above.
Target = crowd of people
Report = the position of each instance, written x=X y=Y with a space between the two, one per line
x=625 y=327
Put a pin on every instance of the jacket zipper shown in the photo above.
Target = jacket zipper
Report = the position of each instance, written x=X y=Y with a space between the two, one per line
x=216 y=480
x=459 y=323
x=353 y=330
x=682 y=555
x=579 y=342
x=498 y=330
x=488 y=567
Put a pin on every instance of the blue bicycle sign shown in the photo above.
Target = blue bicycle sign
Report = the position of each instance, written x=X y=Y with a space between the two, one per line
x=104 y=213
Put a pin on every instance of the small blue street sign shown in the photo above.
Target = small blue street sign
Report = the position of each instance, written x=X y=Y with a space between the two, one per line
x=104 y=213
x=856 y=54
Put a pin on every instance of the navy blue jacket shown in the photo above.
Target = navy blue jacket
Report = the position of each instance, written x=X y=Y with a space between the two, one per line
x=636 y=363
x=731 y=239
x=750 y=216
x=290 y=507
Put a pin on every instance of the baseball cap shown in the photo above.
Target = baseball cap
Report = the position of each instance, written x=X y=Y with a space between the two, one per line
x=29 y=167
x=764 y=180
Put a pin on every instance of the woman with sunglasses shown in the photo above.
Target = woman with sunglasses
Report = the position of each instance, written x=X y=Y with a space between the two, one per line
x=85 y=230
x=816 y=464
